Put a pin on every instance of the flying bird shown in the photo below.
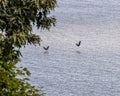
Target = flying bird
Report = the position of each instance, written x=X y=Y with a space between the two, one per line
x=46 y=48
x=78 y=44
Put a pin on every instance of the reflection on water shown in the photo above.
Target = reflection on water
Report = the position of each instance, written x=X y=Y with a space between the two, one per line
x=78 y=52
x=46 y=52
x=93 y=69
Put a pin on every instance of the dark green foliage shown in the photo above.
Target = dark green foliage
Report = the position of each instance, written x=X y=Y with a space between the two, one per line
x=16 y=20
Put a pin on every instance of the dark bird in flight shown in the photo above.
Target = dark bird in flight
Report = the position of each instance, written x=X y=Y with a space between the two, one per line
x=78 y=44
x=46 y=48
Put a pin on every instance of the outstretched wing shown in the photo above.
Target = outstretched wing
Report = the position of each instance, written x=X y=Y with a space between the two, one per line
x=78 y=44
x=46 y=48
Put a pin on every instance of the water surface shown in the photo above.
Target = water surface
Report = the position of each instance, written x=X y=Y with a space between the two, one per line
x=93 y=69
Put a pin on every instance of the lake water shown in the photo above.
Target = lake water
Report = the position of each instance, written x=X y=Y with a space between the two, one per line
x=93 y=69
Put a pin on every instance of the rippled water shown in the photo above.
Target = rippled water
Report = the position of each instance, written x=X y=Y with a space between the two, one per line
x=93 y=69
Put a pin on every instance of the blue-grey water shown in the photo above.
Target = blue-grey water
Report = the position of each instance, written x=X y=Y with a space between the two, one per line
x=93 y=69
